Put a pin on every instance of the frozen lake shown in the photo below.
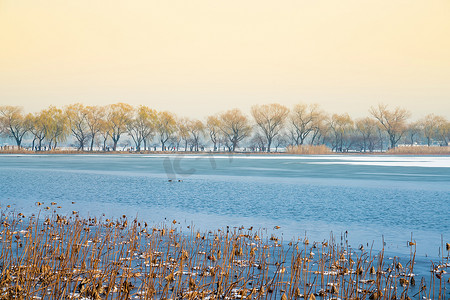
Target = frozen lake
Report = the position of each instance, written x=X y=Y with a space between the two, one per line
x=370 y=197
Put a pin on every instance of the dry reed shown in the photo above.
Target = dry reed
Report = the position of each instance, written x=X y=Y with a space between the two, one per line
x=418 y=150
x=69 y=257
x=308 y=149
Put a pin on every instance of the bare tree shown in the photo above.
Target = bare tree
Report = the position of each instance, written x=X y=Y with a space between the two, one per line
x=183 y=132
x=258 y=142
x=95 y=117
x=443 y=129
x=304 y=119
x=165 y=126
x=270 y=118
x=307 y=124
x=13 y=123
x=213 y=125
x=341 y=126
x=117 y=117
x=281 y=140
x=392 y=121
x=142 y=125
x=57 y=126
x=430 y=125
x=382 y=138
x=320 y=128
x=196 y=128
x=41 y=126
x=104 y=133
x=235 y=127
x=412 y=132
x=77 y=116
x=367 y=127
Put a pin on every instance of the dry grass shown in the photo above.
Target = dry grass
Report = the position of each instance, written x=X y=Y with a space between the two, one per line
x=308 y=149
x=14 y=151
x=418 y=150
x=69 y=257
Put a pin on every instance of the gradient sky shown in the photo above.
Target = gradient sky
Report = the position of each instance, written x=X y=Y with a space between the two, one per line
x=199 y=57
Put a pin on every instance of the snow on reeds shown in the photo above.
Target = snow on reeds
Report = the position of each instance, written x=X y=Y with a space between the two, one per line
x=70 y=257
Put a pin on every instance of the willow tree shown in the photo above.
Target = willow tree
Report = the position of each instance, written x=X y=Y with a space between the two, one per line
x=41 y=124
x=117 y=117
x=165 y=127
x=270 y=118
x=413 y=132
x=196 y=128
x=77 y=117
x=430 y=126
x=341 y=127
x=141 y=126
x=182 y=132
x=304 y=119
x=58 y=126
x=94 y=120
x=392 y=121
x=257 y=142
x=443 y=130
x=104 y=133
x=13 y=123
x=320 y=129
x=235 y=127
x=213 y=125
x=367 y=127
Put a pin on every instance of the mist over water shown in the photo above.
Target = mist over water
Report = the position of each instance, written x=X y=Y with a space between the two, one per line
x=370 y=197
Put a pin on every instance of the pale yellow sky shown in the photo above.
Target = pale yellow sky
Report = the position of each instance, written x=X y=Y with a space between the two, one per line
x=199 y=57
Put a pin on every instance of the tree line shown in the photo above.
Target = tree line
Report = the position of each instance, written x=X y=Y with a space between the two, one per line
x=270 y=126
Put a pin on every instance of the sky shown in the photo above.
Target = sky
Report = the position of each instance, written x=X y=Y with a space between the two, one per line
x=199 y=57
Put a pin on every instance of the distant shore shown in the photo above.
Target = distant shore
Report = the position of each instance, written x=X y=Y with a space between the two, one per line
x=76 y=152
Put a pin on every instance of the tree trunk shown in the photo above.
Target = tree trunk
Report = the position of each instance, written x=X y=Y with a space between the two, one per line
x=302 y=140
x=18 y=141
x=92 y=143
x=392 y=138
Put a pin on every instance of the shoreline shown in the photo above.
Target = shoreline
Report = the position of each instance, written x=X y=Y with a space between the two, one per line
x=75 y=152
